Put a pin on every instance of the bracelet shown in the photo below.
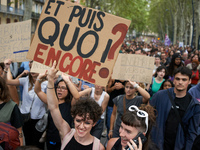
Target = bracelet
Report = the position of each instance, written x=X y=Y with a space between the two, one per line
x=110 y=131
x=39 y=80
x=5 y=71
x=136 y=86
x=50 y=88
x=20 y=135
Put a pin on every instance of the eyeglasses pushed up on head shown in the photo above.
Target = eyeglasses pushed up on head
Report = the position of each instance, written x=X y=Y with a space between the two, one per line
x=140 y=113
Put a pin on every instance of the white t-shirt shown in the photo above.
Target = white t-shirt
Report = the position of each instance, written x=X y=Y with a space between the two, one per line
x=100 y=100
x=38 y=107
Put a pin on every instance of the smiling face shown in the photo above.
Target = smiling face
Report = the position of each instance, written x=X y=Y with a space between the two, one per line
x=83 y=127
x=61 y=90
x=126 y=133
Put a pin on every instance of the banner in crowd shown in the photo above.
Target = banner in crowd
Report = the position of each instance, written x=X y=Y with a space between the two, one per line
x=15 y=41
x=167 y=40
x=84 y=42
x=181 y=44
x=138 y=68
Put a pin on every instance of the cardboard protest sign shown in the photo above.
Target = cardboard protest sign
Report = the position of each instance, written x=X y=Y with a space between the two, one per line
x=15 y=40
x=180 y=44
x=40 y=68
x=84 y=42
x=137 y=68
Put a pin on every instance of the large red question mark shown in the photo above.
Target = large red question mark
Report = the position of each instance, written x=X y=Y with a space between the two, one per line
x=123 y=28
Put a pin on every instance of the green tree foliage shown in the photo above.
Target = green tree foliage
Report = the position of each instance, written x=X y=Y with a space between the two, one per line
x=170 y=16
x=134 y=10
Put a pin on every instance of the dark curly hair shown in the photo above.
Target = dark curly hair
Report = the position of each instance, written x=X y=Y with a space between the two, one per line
x=87 y=106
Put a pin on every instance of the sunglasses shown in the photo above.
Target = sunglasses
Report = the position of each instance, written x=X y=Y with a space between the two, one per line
x=141 y=114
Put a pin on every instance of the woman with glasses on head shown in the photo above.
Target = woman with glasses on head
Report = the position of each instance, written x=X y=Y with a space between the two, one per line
x=66 y=93
x=85 y=113
x=135 y=121
x=122 y=103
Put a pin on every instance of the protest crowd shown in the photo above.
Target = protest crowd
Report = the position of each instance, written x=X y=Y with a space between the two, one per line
x=53 y=112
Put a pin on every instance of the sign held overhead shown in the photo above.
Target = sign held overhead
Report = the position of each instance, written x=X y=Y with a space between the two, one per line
x=15 y=41
x=84 y=42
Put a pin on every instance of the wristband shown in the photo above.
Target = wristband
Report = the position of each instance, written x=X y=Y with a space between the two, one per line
x=110 y=131
x=50 y=88
x=136 y=86
x=5 y=71
x=39 y=80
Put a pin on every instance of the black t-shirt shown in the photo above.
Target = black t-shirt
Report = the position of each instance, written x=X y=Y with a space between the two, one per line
x=52 y=131
x=16 y=117
x=172 y=122
x=117 y=145
x=74 y=145
x=115 y=93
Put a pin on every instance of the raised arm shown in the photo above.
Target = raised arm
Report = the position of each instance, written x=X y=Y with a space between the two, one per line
x=52 y=101
x=142 y=91
x=110 y=88
x=105 y=102
x=25 y=72
x=71 y=87
x=85 y=92
x=37 y=89
x=7 y=73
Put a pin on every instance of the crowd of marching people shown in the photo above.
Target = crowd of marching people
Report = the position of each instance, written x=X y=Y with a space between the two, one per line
x=53 y=112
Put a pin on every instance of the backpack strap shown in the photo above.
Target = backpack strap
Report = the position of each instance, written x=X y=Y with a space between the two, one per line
x=67 y=138
x=6 y=111
x=96 y=144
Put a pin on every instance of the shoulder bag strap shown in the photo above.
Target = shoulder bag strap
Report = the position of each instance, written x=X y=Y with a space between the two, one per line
x=176 y=112
x=96 y=144
x=67 y=138
x=124 y=103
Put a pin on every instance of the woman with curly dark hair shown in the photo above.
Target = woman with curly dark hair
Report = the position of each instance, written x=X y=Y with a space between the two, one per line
x=135 y=121
x=85 y=113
